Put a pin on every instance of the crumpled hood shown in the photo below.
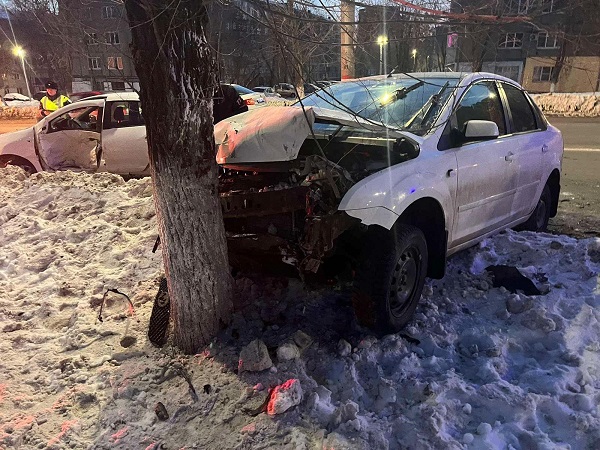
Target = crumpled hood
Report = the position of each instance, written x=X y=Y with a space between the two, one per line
x=276 y=133
x=267 y=134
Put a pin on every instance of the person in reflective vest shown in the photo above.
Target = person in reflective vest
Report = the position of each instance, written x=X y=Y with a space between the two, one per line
x=52 y=100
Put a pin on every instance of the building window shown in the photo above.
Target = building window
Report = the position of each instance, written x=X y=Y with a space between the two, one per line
x=542 y=74
x=94 y=63
x=118 y=85
x=16 y=76
x=112 y=37
x=547 y=40
x=547 y=6
x=110 y=12
x=511 y=72
x=19 y=90
x=91 y=38
x=114 y=62
x=511 y=40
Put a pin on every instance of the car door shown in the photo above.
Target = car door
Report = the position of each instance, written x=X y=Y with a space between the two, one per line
x=71 y=139
x=124 y=144
x=527 y=145
x=486 y=178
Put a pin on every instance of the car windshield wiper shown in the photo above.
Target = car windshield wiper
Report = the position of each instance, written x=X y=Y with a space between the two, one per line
x=400 y=94
x=427 y=109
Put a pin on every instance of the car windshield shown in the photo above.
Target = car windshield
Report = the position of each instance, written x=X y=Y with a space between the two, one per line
x=404 y=103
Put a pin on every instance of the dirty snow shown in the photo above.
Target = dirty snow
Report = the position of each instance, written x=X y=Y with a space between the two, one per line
x=586 y=104
x=465 y=374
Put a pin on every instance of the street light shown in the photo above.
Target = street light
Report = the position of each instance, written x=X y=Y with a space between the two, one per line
x=381 y=41
x=414 y=55
x=20 y=52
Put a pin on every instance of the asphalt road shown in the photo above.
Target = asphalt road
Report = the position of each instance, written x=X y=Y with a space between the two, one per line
x=579 y=207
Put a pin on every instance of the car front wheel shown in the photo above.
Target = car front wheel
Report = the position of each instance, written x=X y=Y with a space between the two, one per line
x=390 y=279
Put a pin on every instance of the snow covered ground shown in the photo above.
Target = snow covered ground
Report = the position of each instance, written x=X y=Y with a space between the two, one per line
x=478 y=367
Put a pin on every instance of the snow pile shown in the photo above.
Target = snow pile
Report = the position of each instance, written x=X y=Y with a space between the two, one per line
x=478 y=367
x=569 y=105
x=19 y=110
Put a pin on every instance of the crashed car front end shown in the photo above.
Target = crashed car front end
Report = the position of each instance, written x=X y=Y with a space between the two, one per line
x=284 y=172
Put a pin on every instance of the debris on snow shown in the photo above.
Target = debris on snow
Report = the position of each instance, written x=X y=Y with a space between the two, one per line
x=254 y=357
x=284 y=396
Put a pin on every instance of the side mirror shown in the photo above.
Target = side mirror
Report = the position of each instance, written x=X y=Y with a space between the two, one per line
x=476 y=130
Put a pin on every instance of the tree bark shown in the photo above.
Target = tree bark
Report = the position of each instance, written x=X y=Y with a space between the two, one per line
x=177 y=76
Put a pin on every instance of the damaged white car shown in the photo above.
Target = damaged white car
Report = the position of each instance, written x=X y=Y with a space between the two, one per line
x=105 y=133
x=383 y=177
x=387 y=176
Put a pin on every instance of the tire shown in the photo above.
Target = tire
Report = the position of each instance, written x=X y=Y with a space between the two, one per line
x=538 y=221
x=390 y=279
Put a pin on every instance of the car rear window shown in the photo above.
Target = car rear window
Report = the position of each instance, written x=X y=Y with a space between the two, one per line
x=523 y=117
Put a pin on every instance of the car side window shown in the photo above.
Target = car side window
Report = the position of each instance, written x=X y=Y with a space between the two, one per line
x=124 y=114
x=523 y=117
x=481 y=102
x=85 y=119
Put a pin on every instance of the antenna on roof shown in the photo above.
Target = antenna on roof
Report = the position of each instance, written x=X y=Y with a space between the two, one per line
x=392 y=72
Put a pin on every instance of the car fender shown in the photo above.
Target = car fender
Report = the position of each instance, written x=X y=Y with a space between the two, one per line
x=377 y=200
x=21 y=144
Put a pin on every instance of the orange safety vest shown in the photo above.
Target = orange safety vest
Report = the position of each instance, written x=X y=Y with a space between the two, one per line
x=53 y=105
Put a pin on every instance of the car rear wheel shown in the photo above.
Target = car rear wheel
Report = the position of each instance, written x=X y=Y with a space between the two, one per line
x=538 y=221
x=390 y=279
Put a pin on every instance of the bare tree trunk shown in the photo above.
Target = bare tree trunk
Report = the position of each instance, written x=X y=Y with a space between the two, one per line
x=177 y=76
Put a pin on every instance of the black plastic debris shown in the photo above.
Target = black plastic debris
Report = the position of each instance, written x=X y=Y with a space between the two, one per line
x=510 y=278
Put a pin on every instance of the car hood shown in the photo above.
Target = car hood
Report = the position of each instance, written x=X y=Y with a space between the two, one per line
x=276 y=133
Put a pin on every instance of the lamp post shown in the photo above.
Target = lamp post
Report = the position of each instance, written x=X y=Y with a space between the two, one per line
x=20 y=52
x=381 y=41
x=414 y=55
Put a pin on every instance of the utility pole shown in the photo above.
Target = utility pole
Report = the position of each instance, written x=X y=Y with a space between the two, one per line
x=347 y=39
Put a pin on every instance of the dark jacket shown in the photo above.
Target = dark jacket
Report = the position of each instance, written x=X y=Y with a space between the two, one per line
x=227 y=102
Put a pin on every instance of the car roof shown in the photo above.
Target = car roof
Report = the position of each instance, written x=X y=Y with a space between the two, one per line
x=116 y=96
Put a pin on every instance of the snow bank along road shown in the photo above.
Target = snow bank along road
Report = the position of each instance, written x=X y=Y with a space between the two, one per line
x=478 y=367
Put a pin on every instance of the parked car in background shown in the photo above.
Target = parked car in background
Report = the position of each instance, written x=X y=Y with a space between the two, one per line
x=267 y=91
x=309 y=88
x=286 y=90
x=16 y=97
x=251 y=98
x=386 y=176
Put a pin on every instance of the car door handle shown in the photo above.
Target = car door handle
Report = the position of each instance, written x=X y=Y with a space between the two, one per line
x=92 y=139
x=544 y=148
x=451 y=173
x=509 y=157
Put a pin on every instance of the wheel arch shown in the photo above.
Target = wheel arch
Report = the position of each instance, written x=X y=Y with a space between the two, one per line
x=428 y=215
x=16 y=160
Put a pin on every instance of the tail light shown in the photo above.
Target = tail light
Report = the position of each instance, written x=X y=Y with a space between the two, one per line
x=249 y=101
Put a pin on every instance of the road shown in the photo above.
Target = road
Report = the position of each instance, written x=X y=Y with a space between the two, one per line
x=579 y=208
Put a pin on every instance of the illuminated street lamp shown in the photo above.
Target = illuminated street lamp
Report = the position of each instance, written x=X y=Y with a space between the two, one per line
x=381 y=41
x=20 y=52
x=414 y=55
